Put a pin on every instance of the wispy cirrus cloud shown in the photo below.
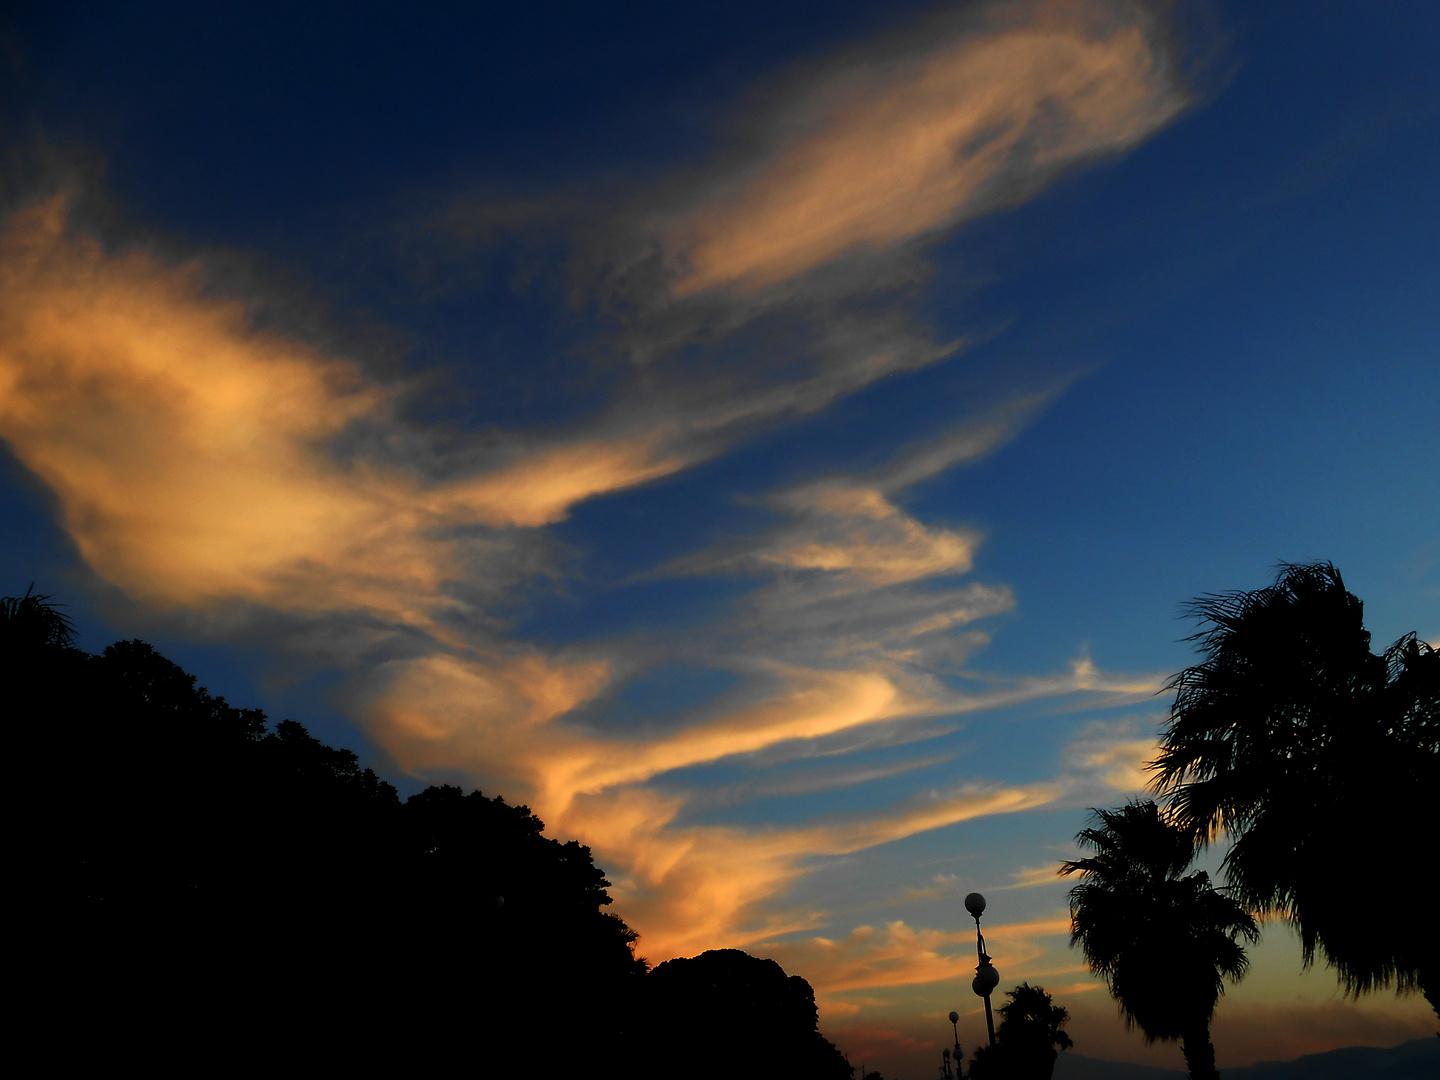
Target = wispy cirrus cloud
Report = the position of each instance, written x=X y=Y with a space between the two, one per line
x=201 y=461
x=825 y=649
x=193 y=456
x=1117 y=754
x=898 y=954
x=190 y=454
x=883 y=149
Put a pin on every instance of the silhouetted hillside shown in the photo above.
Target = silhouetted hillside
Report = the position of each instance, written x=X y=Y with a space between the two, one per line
x=1079 y=1067
x=203 y=886
x=204 y=890
x=1418 y=1059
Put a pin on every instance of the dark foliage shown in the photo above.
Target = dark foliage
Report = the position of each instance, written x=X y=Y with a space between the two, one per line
x=1028 y=1041
x=725 y=1013
x=31 y=621
x=206 y=891
x=1163 y=940
x=1308 y=750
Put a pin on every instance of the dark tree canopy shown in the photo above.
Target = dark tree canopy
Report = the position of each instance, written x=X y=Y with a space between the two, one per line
x=31 y=622
x=1319 y=760
x=207 y=890
x=725 y=1013
x=264 y=894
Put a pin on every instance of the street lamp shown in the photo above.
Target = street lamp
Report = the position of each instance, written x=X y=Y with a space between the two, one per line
x=986 y=977
x=959 y=1054
x=945 y=1073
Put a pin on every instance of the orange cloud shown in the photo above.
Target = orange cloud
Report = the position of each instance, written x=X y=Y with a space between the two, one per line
x=857 y=532
x=1117 y=754
x=699 y=887
x=1123 y=766
x=542 y=486
x=900 y=955
x=683 y=886
x=439 y=712
x=195 y=460
x=189 y=451
x=1035 y=875
x=179 y=443
x=891 y=149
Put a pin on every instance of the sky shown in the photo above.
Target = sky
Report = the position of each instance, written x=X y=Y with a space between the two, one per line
x=772 y=441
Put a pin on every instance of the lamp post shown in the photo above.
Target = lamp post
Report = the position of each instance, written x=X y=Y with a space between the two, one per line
x=986 y=977
x=945 y=1073
x=959 y=1054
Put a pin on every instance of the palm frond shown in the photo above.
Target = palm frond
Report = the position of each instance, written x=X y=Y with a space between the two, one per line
x=1277 y=739
x=32 y=621
x=1163 y=941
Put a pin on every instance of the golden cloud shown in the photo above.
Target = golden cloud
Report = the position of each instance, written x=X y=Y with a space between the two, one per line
x=194 y=460
x=901 y=955
x=542 y=486
x=192 y=457
x=684 y=887
x=859 y=533
x=1035 y=875
x=1124 y=765
x=1118 y=754
x=188 y=450
x=492 y=713
x=698 y=887
x=892 y=150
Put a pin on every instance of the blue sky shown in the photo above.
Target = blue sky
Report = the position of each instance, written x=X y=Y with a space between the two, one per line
x=774 y=441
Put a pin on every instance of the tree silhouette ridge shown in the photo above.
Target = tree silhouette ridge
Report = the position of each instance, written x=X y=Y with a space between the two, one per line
x=274 y=900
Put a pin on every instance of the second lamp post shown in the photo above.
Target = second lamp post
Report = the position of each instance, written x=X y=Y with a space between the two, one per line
x=986 y=977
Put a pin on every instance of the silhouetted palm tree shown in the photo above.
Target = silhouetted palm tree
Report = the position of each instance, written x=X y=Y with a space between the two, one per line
x=1163 y=942
x=1311 y=753
x=31 y=622
x=1032 y=1026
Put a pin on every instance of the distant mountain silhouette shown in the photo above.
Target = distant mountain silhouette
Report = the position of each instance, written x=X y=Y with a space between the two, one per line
x=1074 y=1066
x=1418 y=1059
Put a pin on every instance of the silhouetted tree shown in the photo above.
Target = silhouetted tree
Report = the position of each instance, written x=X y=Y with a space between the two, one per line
x=1031 y=1029
x=1310 y=752
x=725 y=1013
x=508 y=929
x=1162 y=941
x=216 y=890
x=205 y=887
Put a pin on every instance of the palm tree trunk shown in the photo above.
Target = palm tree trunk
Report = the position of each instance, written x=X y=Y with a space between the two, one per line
x=1199 y=1053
